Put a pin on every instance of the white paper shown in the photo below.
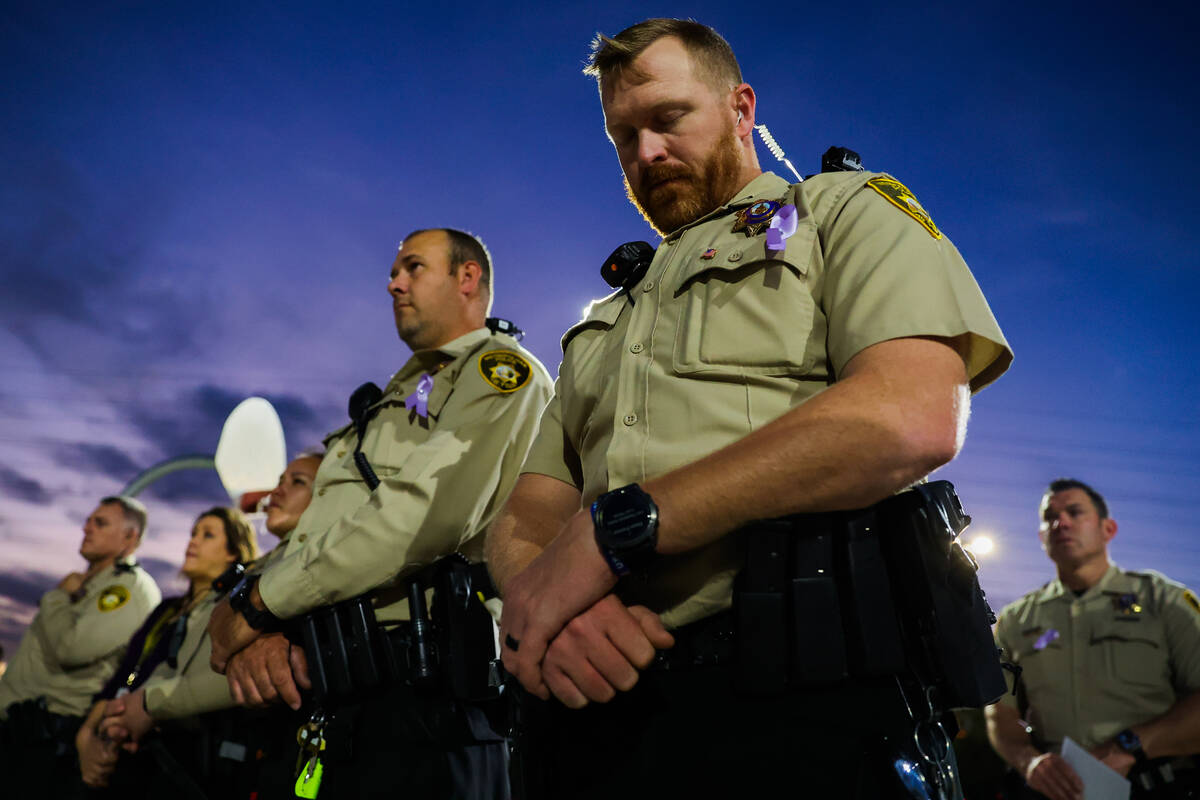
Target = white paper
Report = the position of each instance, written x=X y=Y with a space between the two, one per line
x=1099 y=782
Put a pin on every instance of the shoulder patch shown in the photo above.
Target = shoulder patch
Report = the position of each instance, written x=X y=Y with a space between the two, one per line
x=898 y=195
x=505 y=370
x=112 y=598
x=1190 y=598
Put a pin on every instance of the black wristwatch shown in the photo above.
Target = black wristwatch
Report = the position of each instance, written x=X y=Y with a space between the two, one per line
x=1129 y=741
x=626 y=523
x=239 y=601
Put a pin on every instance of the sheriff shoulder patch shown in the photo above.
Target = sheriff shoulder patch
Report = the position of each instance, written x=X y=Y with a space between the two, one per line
x=1191 y=600
x=112 y=598
x=505 y=370
x=898 y=195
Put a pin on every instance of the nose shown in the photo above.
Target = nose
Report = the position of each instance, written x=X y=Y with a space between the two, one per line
x=1061 y=520
x=651 y=147
x=398 y=285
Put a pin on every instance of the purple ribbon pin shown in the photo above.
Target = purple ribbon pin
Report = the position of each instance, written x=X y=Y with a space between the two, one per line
x=420 y=398
x=782 y=226
x=1045 y=639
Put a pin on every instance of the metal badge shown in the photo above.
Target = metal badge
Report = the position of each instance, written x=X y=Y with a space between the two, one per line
x=1127 y=603
x=752 y=220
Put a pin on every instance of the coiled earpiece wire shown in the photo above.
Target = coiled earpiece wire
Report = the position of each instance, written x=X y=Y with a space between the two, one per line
x=775 y=149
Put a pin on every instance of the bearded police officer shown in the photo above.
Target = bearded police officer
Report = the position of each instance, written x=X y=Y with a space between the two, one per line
x=1108 y=657
x=442 y=447
x=790 y=348
x=71 y=648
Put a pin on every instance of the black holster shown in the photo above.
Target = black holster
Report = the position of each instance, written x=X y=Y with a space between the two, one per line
x=881 y=591
x=448 y=648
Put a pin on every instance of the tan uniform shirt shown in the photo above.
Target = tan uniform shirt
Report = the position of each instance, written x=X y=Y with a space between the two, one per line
x=71 y=649
x=1122 y=653
x=191 y=687
x=724 y=337
x=443 y=476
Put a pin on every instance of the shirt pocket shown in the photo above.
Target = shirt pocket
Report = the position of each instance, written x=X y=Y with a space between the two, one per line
x=749 y=312
x=1133 y=650
x=1042 y=669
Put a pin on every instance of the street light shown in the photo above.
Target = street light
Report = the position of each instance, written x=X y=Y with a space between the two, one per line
x=980 y=545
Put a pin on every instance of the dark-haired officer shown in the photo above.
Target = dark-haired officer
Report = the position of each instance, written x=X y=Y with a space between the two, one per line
x=1109 y=657
x=71 y=648
x=444 y=442
x=790 y=348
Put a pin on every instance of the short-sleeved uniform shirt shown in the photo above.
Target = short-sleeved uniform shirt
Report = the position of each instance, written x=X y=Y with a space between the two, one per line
x=443 y=476
x=71 y=648
x=723 y=335
x=1118 y=655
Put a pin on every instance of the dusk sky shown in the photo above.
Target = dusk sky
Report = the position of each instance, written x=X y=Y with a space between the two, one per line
x=200 y=202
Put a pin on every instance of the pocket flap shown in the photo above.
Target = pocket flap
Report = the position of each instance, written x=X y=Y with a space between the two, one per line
x=739 y=254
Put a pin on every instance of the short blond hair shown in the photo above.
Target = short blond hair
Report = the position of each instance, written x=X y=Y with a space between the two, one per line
x=712 y=57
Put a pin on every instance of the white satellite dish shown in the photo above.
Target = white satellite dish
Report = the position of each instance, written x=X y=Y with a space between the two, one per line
x=251 y=453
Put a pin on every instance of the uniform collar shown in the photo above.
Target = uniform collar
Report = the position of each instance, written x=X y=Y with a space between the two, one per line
x=433 y=359
x=125 y=565
x=766 y=186
x=1055 y=589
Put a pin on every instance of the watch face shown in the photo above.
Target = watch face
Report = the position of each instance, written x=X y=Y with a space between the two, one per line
x=1128 y=740
x=624 y=517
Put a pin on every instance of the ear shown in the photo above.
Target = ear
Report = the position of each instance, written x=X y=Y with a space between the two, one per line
x=1109 y=528
x=469 y=273
x=743 y=102
x=132 y=540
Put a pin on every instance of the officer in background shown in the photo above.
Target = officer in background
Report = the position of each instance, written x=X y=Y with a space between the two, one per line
x=190 y=688
x=791 y=348
x=71 y=648
x=446 y=441
x=1109 y=657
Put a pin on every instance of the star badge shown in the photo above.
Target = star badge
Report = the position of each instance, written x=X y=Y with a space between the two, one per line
x=753 y=219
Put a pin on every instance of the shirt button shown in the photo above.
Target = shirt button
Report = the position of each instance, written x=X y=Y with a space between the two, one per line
x=647 y=286
x=735 y=256
x=341 y=454
x=302 y=537
x=321 y=492
x=630 y=419
x=636 y=347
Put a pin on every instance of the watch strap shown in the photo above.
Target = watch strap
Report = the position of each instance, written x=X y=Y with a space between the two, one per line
x=1131 y=743
x=261 y=619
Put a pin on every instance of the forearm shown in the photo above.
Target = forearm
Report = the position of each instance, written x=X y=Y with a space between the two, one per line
x=1175 y=733
x=888 y=423
x=1010 y=737
x=536 y=511
x=189 y=694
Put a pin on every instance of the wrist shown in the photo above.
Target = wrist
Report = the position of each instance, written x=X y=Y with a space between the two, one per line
x=242 y=599
x=625 y=526
x=1129 y=741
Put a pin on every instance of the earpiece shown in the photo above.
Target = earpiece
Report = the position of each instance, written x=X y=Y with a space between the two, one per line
x=739 y=122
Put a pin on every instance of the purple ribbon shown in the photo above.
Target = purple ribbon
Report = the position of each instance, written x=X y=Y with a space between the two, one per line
x=420 y=398
x=782 y=226
x=1045 y=639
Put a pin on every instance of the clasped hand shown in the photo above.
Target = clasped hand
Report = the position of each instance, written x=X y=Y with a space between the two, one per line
x=574 y=638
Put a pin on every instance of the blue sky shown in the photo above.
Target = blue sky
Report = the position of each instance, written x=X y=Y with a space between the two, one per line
x=200 y=202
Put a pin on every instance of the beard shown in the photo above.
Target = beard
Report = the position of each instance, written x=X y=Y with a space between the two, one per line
x=689 y=194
